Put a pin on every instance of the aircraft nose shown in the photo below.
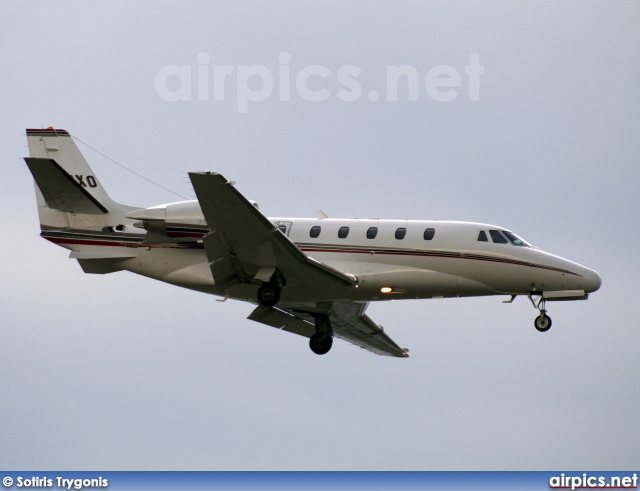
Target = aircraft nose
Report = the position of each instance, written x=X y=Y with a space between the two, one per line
x=592 y=281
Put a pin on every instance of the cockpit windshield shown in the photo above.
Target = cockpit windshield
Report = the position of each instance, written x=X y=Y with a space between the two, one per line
x=515 y=240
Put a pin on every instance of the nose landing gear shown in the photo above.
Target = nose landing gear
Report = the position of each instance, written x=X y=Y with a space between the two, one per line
x=543 y=321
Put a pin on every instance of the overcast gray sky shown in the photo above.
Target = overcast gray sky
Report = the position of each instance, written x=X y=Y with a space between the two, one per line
x=121 y=372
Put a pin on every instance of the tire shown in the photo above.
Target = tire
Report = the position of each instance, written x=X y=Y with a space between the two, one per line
x=542 y=323
x=320 y=344
x=268 y=295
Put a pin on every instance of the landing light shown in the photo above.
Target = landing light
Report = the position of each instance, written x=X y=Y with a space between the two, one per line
x=386 y=289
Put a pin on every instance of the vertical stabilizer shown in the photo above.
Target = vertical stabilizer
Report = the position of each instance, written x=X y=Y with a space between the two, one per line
x=69 y=193
x=52 y=148
x=75 y=210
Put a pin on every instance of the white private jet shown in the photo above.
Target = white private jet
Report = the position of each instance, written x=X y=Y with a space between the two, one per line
x=313 y=277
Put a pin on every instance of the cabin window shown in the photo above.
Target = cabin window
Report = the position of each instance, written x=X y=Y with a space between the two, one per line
x=482 y=236
x=343 y=232
x=514 y=239
x=497 y=237
x=372 y=232
x=315 y=231
x=283 y=229
x=400 y=233
x=429 y=233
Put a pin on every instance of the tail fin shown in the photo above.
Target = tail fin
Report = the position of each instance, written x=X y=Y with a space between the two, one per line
x=68 y=191
x=75 y=211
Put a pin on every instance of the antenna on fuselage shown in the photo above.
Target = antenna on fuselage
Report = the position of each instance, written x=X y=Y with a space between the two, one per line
x=321 y=214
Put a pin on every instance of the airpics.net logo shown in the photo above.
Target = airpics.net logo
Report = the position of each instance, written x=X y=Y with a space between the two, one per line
x=251 y=84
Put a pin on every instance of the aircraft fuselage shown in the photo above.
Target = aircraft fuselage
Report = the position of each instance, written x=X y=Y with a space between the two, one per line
x=391 y=259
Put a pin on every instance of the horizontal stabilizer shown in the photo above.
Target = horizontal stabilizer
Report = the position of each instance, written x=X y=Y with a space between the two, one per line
x=103 y=255
x=101 y=266
x=60 y=190
x=101 y=262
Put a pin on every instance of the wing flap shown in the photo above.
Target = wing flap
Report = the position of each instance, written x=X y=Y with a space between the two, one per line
x=348 y=320
x=281 y=319
x=350 y=323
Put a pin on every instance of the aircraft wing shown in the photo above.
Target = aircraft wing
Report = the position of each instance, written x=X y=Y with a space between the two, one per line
x=244 y=245
x=347 y=318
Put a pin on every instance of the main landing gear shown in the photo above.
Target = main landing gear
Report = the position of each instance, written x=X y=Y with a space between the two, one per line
x=269 y=294
x=543 y=321
x=321 y=342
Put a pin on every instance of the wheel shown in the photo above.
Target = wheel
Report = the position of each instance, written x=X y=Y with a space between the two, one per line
x=542 y=323
x=268 y=295
x=320 y=343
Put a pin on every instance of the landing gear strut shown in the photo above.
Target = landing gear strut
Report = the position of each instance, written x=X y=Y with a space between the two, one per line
x=321 y=342
x=543 y=321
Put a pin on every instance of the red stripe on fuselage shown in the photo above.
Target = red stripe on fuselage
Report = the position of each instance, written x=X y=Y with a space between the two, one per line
x=446 y=255
x=132 y=245
x=443 y=254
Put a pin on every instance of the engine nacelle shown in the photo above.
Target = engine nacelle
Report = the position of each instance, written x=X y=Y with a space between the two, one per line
x=183 y=219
